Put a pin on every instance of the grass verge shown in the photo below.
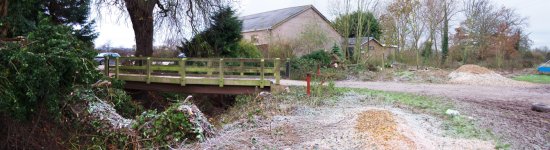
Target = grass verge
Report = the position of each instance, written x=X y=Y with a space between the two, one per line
x=534 y=78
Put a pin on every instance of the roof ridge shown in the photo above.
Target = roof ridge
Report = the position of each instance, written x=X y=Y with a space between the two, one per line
x=310 y=5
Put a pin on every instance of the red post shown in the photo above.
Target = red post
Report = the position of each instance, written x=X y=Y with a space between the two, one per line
x=318 y=69
x=308 y=80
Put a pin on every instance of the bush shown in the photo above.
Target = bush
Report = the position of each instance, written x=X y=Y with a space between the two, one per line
x=179 y=123
x=246 y=50
x=320 y=56
x=336 y=50
x=44 y=71
x=300 y=67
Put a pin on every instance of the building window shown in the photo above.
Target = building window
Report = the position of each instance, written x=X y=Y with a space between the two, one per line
x=371 y=47
x=254 y=39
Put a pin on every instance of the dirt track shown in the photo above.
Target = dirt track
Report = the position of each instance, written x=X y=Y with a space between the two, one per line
x=353 y=122
x=535 y=93
x=505 y=110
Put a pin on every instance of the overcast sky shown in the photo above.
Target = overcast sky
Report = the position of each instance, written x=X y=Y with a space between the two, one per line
x=120 y=34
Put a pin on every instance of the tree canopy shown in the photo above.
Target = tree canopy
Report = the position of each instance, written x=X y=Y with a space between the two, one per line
x=170 y=17
x=369 y=23
x=20 y=17
x=221 y=38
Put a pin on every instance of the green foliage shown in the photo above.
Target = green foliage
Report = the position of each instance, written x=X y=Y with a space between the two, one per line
x=309 y=64
x=23 y=17
x=320 y=57
x=427 y=50
x=123 y=103
x=369 y=24
x=300 y=67
x=167 y=128
x=336 y=50
x=220 y=39
x=45 y=70
x=246 y=50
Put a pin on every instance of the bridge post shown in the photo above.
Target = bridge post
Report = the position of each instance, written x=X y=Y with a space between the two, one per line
x=262 y=74
x=182 y=63
x=106 y=64
x=277 y=71
x=117 y=68
x=209 y=67
x=221 y=72
x=242 y=67
x=148 y=77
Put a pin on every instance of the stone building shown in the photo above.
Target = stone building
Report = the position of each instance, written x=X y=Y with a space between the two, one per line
x=372 y=46
x=291 y=26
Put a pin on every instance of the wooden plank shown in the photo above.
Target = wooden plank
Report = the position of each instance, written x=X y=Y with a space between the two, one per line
x=277 y=72
x=194 y=80
x=148 y=81
x=262 y=75
x=221 y=72
x=209 y=65
x=106 y=65
x=182 y=63
x=194 y=89
x=242 y=67
x=117 y=66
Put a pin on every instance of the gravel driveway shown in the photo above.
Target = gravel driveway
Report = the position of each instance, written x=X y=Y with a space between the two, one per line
x=505 y=110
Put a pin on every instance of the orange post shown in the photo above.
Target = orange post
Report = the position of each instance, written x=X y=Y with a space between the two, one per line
x=308 y=80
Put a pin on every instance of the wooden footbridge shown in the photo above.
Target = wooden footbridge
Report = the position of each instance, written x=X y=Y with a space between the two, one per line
x=195 y=75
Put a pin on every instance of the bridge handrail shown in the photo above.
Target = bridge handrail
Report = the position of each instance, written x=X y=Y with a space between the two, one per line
x=182 y=69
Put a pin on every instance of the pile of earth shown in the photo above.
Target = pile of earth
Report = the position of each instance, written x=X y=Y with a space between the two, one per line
x=476 y=75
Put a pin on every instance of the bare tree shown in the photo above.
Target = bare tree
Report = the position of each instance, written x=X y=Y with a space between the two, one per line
x=417 y=27
x=400 y=14
x=343 y=8
x=168 y=16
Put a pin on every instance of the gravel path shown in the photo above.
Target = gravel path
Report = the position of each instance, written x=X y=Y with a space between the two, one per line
x=531 y=93
x=339 y=126
x=505 y=110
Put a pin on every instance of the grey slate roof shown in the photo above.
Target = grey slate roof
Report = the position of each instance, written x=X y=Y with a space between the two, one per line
x=267 y=20
x=363 y=40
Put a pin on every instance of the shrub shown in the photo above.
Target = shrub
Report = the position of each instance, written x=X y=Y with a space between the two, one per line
x=300 y=67
x=246 y=50
x=320 y=56
x=44 y=71
x=179 y=123
x=336 y=50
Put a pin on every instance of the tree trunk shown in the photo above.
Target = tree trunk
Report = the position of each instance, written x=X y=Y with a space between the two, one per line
x=141 y=15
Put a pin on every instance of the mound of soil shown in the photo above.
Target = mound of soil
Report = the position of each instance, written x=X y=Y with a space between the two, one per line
x=474 y=69
x=382 y=127
x=476 y=75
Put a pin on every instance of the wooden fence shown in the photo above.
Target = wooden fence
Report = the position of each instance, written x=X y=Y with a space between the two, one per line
x=198 y=71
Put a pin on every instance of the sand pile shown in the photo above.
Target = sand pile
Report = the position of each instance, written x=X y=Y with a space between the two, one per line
x=476 y=75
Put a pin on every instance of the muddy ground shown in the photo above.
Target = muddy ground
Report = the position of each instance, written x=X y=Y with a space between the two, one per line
x=504 y=110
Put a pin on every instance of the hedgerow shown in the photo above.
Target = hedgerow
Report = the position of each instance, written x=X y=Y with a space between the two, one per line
x=41 y=72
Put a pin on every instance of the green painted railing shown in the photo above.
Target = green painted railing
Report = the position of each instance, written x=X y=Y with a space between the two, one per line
x=201 y=71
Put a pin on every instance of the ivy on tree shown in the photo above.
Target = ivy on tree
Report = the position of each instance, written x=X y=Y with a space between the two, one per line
x=369 y=23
